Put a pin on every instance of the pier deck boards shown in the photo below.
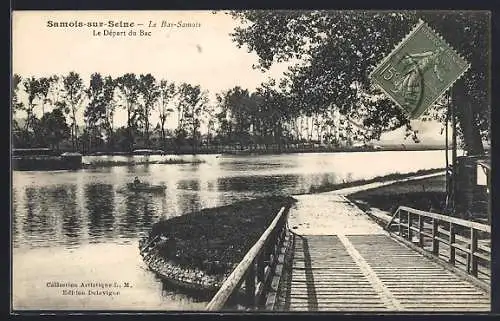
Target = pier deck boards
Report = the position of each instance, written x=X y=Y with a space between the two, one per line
x=343 y=261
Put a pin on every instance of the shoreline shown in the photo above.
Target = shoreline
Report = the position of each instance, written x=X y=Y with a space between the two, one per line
x=170 y=161
x=238 y=152
x=377 y=179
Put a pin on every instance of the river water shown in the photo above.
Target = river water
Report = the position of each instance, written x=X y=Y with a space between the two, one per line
x=78 y=227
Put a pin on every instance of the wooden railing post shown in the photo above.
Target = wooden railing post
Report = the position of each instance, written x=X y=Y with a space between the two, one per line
x=250 y=286
x=452 y=241
x=420 y=229
x=256 y=264
x=409 y=226
x=473 y=250
x=261 y=264
x=399 y=224
x=435 y=241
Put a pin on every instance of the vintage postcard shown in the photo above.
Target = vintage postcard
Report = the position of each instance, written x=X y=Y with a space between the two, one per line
x=251 y=161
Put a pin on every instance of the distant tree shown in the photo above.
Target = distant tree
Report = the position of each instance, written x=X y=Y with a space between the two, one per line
x=16 y=104
x=129 y=90
x=56 y=92
x=274 y=111
x=192 y=103
x=110 y=104
x=73 y=86
x=210 y=121
x=53 y=128
x=95 y=112
x=167 y=93
x=31 y=87
x=44 y=88
x=150 y=92
x=237 y=113
x=15 y=107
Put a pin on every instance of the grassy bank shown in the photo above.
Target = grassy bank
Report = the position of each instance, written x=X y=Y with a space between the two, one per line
x=327 y=187
x=213 y=240
x=111 y=163
x=428 y=194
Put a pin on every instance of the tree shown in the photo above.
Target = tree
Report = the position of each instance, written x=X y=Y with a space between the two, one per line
x=15 y=107
x=73 y=86
x=338 y=50
x=150 y=93
x=167 y=93
x=237 y=107
x=56 y=92
x=53 y=128
x=192 y=103
x=129 y=89
x=44 y=89
x=31 y=87
x=95 y=112
x=274 y=112
x=16 y=104
x=110 y=104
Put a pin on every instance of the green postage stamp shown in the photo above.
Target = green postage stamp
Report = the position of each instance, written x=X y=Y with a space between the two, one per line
x=419 y=70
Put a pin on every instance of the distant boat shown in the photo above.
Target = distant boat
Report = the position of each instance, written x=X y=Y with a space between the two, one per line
x=143 y=152
x=145 y=187
x=148 y=152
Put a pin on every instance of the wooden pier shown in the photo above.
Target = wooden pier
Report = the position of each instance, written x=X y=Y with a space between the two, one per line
x=335 y=258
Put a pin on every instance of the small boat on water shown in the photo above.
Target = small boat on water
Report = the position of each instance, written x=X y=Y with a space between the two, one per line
x=145 y=187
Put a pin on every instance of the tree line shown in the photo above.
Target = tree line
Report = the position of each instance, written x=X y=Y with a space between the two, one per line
x=327 y=97
x=238 y=117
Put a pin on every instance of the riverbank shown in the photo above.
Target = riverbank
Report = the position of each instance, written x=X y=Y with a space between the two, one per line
x=427 y=194
x=328 y=187
x=112 y=163
x=198 y=250
x=262 y=150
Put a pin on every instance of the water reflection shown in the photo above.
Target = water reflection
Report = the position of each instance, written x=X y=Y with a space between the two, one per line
x=99 y=200
x=42 y=205
x=279 y=184
x=71 y=218
x=188 y=202
x=30 y=208
x=192 y=184
x=14 y=218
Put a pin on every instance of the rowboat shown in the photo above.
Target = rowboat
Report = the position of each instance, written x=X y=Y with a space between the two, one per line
x=145 y=187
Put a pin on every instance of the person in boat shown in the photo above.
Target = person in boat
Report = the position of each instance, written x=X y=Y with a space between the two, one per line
x=137 y=182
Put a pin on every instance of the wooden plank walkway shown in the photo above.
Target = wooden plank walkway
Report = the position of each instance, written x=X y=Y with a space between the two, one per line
x=342 y=261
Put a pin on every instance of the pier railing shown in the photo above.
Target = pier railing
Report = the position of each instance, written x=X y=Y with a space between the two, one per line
x=249 y=283
x=464 y=244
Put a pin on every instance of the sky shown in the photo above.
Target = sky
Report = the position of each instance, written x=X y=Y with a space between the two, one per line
x=199 y=52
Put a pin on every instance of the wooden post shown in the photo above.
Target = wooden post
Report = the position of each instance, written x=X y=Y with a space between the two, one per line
x=250 y=286
x=409 y=226
x=435 y=242
x=453 y=156
x=420 y=229
x=261 y=264
x=452 y=241
x=473 y=249
x=399 y=224
x=447 y=181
